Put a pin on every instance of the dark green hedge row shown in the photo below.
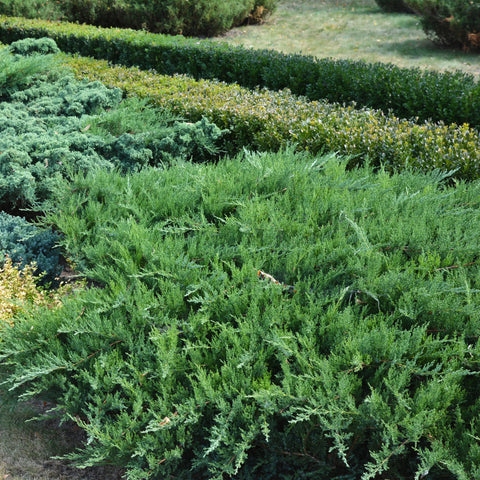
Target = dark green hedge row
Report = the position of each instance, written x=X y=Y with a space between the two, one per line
x=266 y=120
x=409 y=93
x=193 y=18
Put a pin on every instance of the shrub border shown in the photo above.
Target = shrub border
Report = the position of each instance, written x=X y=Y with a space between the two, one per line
x=265 y=120
x=452 y=97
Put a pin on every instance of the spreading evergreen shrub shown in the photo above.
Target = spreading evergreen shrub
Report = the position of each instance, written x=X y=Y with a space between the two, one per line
x=34 y=46
x=40 y=136
x=270 y=316
x=264 y=120
x=160 y=133
x=23 y=244
x=32 y=9
x=451 y=23
x=202 y=17
x=16 y=72
x=407 y=92
x=45 y=135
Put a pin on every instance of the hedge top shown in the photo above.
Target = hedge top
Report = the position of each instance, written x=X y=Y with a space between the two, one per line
x=452 y=97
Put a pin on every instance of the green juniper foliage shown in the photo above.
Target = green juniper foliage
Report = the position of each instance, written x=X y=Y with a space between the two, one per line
x=45 y=136
x=34 y=46
x=165 y=134
x=202 y=17
x=32 y=8
x=270 y=316
x=41 y=139
x=25 y=244
x=450 y=23
x=16 y=72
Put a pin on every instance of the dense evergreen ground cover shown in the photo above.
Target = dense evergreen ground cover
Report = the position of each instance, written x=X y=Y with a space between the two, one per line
x=190 y=360
x=46 y=130
x=270 y=315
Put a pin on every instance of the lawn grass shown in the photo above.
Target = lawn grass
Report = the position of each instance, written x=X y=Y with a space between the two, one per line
x=353 y=29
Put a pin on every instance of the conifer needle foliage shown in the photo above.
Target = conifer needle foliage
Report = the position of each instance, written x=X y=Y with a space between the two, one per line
x=45 y=120
x=187 y=364
x=24 y=244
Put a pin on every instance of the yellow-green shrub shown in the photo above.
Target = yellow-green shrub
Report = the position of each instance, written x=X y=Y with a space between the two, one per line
x=266 y=120
x=451 y=97
x=20 y=294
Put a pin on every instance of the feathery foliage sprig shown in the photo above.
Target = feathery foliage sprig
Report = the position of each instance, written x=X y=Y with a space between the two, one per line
x=190 y=363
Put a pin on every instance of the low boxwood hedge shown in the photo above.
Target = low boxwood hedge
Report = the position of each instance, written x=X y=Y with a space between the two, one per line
x=266 y=120
x=408 y=92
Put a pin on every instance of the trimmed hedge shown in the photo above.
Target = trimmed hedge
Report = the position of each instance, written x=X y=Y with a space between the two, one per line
x=409 y=93
x=267 y=120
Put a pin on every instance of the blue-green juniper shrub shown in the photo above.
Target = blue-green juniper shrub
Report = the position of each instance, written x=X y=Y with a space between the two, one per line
x=34 y=46
x=44 y=134
x=25 y=243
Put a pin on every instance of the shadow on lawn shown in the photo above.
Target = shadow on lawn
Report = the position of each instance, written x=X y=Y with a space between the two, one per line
x=26 y=448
